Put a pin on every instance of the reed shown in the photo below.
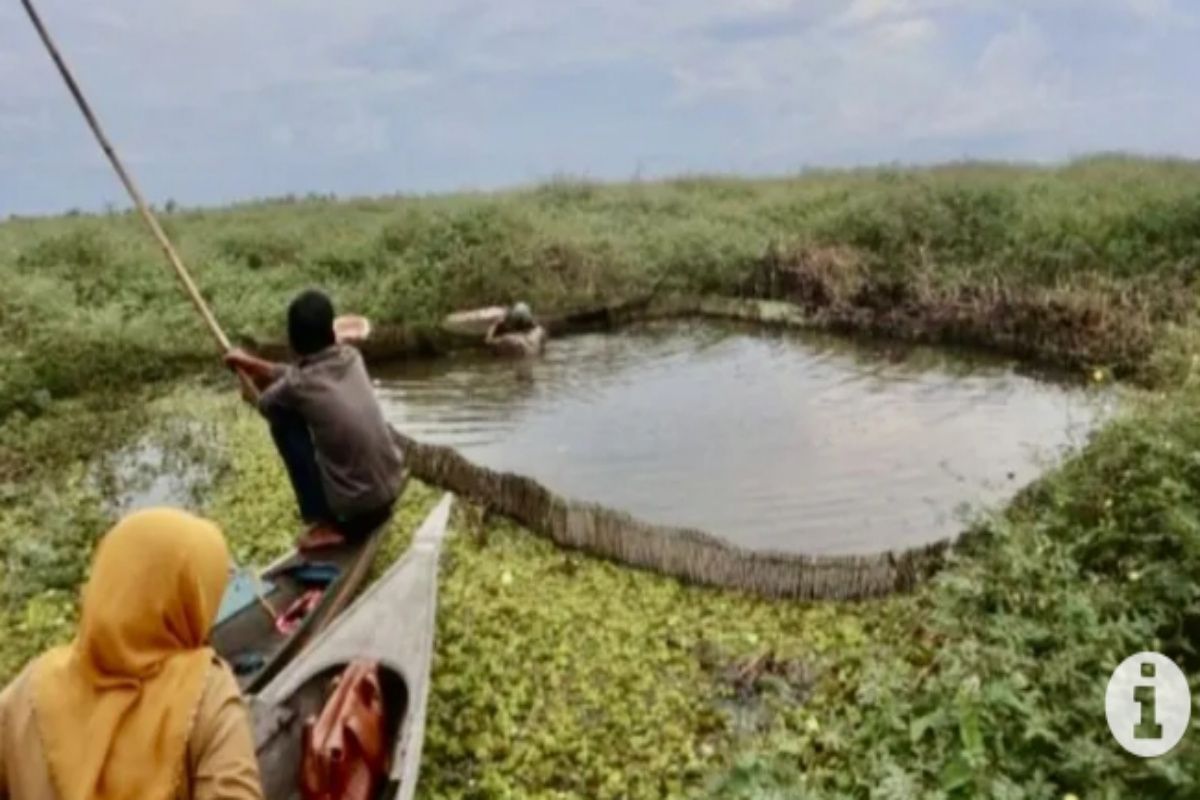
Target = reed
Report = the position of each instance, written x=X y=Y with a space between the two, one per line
x=1087 y=263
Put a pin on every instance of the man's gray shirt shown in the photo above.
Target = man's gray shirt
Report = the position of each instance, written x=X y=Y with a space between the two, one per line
x=360 y=463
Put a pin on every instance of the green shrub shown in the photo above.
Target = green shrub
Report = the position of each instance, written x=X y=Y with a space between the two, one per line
x=990 y=682
x=1108 y=227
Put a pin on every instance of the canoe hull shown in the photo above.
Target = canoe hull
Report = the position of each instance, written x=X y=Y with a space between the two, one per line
x=473 y=323
x=393 y=624
x=252 y=630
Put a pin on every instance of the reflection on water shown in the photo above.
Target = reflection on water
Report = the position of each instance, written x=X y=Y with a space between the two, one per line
x=774 y=441
x=171 y=464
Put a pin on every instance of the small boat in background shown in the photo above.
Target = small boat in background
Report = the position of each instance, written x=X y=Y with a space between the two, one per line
x=351 y=328
x=474 y=323
x=520 y=335
x=261 y=627
x=390 y=626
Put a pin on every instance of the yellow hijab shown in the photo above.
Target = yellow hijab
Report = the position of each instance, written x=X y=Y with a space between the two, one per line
x=115 y=706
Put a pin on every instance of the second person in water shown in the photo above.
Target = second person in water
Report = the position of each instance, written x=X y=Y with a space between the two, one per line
x=516 y=334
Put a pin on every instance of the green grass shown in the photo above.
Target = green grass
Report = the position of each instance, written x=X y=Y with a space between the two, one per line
x=1091 y=260
x=558 y=675
x=561 y=676
x=990 y=681
x=59 y=476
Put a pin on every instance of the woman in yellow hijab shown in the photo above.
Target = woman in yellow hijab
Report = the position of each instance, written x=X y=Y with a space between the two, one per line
x=137 y=707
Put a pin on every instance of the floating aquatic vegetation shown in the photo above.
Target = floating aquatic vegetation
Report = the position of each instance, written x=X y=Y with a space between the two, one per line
x=561 y=674
x=564 y=675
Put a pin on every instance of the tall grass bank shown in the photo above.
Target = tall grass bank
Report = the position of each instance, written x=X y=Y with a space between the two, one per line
x=1088 y=265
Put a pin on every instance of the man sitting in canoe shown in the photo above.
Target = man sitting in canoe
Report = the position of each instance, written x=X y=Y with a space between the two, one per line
x=516 y=334
x=328 y=427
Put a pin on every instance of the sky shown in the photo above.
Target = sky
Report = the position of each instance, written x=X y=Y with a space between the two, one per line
x=212 y=101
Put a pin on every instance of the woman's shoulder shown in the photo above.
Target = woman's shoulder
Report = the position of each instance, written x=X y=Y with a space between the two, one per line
x=17 y=697
x=221 y=697
x=221 y=746
x=22 y=767
x=221 y=686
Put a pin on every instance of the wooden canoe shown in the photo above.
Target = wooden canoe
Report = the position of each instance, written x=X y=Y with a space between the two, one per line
x=473 y=323
x=351 y=328
x=251 y=634
x=393 y=624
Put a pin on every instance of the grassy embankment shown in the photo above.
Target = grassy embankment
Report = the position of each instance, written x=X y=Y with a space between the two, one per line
x=555 y=673
x=562 y=676
x=1085 y=264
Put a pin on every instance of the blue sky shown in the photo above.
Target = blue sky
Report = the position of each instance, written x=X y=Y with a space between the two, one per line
x=217 y=100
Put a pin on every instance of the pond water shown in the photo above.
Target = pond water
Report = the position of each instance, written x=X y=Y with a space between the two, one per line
x=169 y=464
x=779 y=441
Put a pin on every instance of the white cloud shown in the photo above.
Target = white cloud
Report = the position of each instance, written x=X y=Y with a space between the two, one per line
x=361 y=133
x=282 y=136
x=890 y=76
x=915 y=32
x=780 y=81
x=1017 y=51
x=1152 y=10
x=1013 y=86
x=866 y=12
x=762 y=6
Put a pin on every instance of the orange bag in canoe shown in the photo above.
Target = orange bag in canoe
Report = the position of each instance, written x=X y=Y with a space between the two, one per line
x=345 y=747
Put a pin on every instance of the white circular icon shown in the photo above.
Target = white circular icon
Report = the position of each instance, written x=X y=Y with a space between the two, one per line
x=1148 y=704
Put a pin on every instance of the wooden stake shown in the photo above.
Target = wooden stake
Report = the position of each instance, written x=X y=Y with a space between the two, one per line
x=262 y=598
x=168 y=249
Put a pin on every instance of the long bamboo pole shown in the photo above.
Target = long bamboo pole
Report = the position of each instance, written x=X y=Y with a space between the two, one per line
x=168 y=249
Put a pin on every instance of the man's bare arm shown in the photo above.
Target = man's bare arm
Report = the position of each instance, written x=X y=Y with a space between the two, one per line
x=262 y=372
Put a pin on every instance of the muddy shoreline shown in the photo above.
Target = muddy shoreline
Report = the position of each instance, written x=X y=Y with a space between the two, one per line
x=1066 y=331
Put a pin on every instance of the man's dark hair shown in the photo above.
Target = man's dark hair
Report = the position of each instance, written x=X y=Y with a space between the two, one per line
x=310 y=322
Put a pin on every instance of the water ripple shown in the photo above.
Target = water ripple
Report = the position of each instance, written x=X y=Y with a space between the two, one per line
x=786 y=442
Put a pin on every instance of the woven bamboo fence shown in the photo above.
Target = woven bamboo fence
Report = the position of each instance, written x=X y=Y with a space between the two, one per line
x=690 y=555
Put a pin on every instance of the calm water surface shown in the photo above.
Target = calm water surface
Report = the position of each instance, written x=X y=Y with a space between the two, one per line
x=774 y=441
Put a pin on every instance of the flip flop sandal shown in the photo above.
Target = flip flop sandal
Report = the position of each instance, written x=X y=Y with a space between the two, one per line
x=247 y=663
x=307 y=544
x=289 y=620
x=311 y=573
